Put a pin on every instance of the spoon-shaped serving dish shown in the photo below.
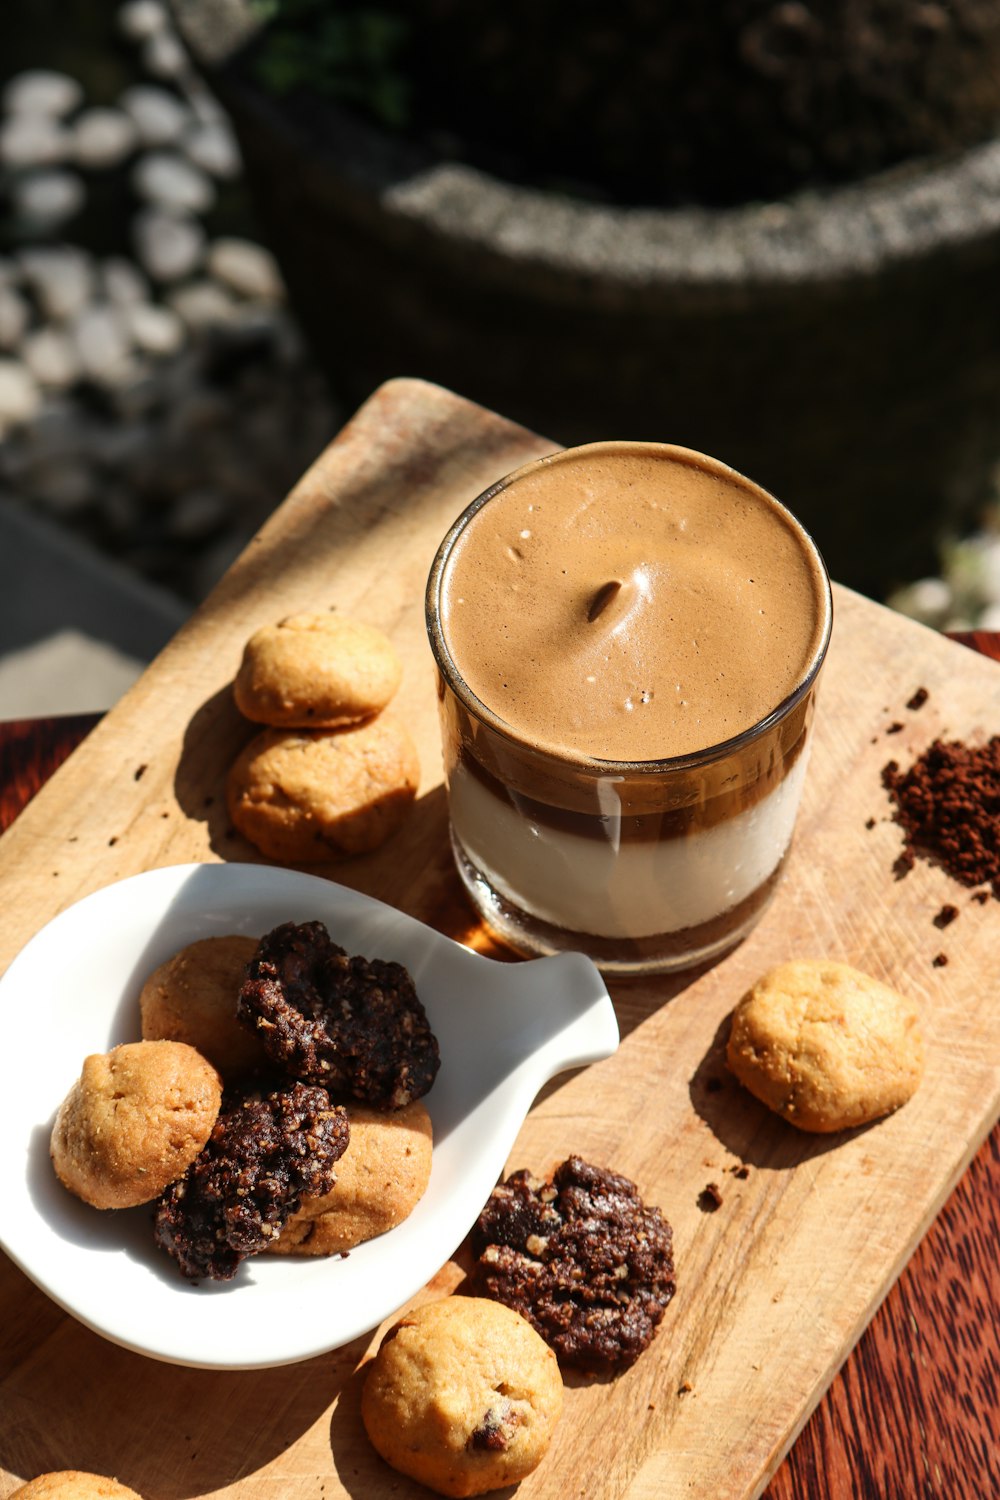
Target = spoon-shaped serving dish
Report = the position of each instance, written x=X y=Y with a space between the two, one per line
x=503 y=1029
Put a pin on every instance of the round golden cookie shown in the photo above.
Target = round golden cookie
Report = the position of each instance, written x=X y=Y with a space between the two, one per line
x=134 y=1122
x=73 y=1484
x=463 y=1396
x=316 y=671
x=192 y=998
x=381 y=1178
x=305 y=797
x=826 y=1046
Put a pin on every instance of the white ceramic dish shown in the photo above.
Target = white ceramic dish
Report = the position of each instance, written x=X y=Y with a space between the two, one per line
x=503 y=1029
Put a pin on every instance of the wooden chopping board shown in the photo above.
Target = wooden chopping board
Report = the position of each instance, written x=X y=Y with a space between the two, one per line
x=776 y=1284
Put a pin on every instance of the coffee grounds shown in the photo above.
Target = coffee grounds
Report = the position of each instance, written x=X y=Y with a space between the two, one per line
x=948 y=804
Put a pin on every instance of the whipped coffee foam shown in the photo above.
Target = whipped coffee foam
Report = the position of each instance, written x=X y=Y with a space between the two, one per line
x=632 y=602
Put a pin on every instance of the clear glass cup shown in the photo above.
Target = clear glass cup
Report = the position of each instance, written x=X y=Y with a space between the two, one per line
x=646 y=865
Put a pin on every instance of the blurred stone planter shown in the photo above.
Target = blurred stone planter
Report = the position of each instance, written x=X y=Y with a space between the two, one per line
x=842 y=347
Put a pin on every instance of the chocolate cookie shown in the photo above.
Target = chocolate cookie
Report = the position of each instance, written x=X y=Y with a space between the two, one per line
x=463 y=1396
x=314 y=671
x=192 y=998
x=826 y=1046
x=134 y=1121
x=581 y=1258
x=381 y=1178
x=265 y=1153
x=303 y=797
x=355 y=1025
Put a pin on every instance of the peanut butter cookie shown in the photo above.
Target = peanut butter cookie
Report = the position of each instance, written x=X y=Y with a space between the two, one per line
x=380 y=1180
x=134 y=1122
x=316 y=671
x=463 y=1396
x=192 y=998
x=826 y=1046
x=73 y=1484
x=303 y=798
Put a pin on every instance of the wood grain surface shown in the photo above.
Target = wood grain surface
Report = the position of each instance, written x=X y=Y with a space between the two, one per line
x=777 y=1284
x=913 y=1409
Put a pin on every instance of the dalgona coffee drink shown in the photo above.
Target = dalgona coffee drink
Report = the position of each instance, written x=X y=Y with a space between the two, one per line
x=628 y=637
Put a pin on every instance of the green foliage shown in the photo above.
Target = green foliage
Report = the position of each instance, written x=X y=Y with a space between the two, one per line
x=350 y=52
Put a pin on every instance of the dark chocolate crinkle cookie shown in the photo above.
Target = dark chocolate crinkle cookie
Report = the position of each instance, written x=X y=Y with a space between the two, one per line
x=265 y=1153
x=582 y=1258
x=354 y=1025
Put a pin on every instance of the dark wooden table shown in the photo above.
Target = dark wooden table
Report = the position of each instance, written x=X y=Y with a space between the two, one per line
x=915 y=1410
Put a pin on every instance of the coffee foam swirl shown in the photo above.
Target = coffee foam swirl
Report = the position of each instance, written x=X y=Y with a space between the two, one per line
x=629 y=601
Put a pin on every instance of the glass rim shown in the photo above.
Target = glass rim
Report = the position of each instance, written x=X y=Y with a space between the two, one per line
x=593 y=764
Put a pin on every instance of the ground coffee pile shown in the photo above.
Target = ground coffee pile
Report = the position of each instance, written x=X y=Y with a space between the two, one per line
x=948 y=804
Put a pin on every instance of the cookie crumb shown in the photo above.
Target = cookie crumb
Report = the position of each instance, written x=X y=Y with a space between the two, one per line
x=140 y=772
x=981 y=897
x=709 y=1199
x=946 y=915
x=870 y=824
x=940 y=960
x=741 y=1172
x=918 y=700
x=904 y=863
x=895 y=727
x=684 y=1387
